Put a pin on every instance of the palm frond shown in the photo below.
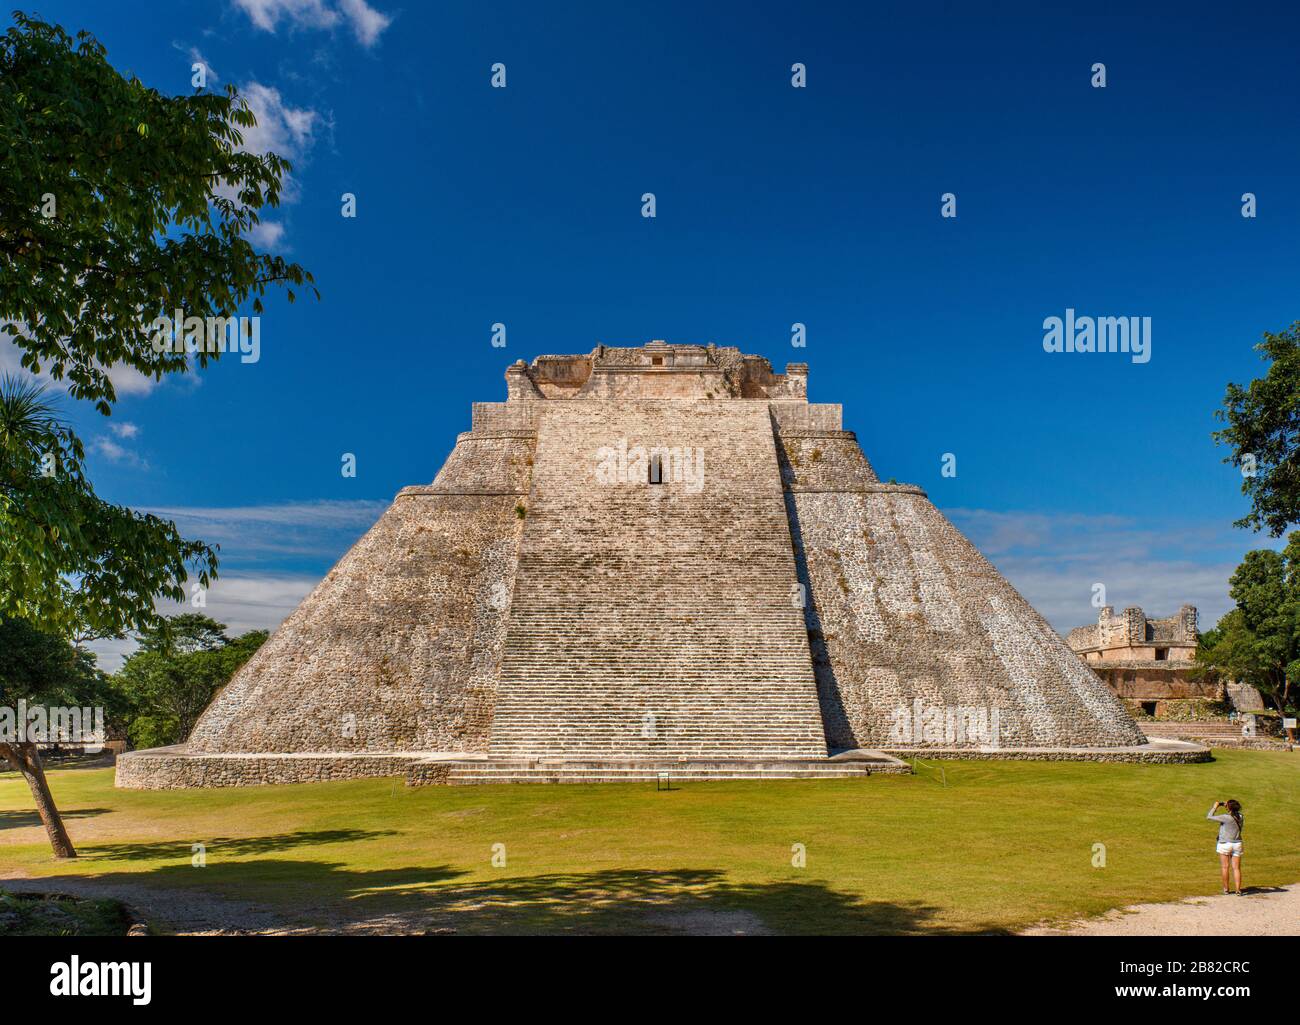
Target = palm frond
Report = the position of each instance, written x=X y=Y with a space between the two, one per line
x=28 y=412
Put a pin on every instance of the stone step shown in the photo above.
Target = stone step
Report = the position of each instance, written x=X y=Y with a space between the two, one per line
x=623 y=770
x=1204 y=732
x=704 y=635
x=1165 y=728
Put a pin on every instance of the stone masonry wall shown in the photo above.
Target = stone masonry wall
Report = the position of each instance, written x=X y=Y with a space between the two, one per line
x=399 y=647
x=903 y=609
x=174 y=768
x=823 y=461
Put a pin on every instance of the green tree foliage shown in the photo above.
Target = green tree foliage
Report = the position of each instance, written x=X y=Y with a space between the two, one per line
x=1258 y=642
x=1263 y=431
x=70 y=561
x=181 y=664
x=151 y=200
x=118 y=205
x=43 y=668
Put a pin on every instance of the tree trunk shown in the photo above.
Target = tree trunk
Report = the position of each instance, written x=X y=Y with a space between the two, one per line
x=27 y=760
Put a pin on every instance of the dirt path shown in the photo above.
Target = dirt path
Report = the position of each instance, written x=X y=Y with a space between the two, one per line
x=194 y=913
x=1262 y=912
x=181 y=911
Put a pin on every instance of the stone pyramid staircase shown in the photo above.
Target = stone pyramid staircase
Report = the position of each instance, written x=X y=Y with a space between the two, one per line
x=656 y=621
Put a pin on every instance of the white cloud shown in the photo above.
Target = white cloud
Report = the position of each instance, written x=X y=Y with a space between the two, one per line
x=320 y=513
x=266 y=14
x=11 y=363
x=198 y=58
x=242 y=602
x=255 y=590
x=1158 y=563
x=117 y=453
x=129 y=381
x=125 y=429
x=367 y=24
x=266 y=234
x=320 y=531
x=126 y=380
x=282 y=129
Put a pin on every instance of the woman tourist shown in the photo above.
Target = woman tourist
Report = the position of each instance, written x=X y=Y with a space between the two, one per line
x=1229 y=842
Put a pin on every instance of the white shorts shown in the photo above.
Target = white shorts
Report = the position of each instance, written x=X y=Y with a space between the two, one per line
x=1229 y=848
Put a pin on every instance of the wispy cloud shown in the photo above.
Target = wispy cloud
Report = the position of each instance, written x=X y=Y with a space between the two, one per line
x=116 y=452
x=266 y=14
x=281 y=128
x=242 y=602
x=261 y=534
x=367 y=23
x=274 y=554
x=127 y=381
x=1158 y=563
x=120 y=451
x=196 y=57
x=284 y=130
x=271 y=557
x=266 y=234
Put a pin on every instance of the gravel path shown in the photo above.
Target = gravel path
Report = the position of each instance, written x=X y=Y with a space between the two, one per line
x=1262 y=912
x=182 y=911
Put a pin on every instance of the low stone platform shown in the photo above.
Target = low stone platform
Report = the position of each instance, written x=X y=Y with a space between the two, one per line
x=1213 y=733
x=173 y=768
x=178 y=768
x=1160 y=751
x=611 y=770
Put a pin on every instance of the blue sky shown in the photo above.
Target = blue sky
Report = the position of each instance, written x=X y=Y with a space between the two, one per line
x=774 y=205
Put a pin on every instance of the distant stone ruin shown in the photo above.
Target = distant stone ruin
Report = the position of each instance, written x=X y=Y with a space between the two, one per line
x=652 y=559
x=1148 y=663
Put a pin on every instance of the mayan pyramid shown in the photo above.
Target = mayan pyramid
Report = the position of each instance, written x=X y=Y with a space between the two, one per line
x=648 y=556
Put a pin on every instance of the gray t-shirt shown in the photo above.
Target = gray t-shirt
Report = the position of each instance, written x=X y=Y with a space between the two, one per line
x=1229 y=831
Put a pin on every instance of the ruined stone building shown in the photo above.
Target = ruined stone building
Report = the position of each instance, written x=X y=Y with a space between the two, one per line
x=1148 y=664
x=652 y=558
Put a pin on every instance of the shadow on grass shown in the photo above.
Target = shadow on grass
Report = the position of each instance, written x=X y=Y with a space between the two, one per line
x=336 y=898
x=691 y=901
x=20 y=819
x=230 y=846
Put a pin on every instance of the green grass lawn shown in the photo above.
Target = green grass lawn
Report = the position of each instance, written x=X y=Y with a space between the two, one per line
x=1002 y=845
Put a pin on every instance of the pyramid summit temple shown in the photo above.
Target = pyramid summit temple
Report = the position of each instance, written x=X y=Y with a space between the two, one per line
x=649 y=559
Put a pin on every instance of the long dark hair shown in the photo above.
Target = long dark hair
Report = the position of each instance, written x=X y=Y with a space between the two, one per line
x=1234 y=809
